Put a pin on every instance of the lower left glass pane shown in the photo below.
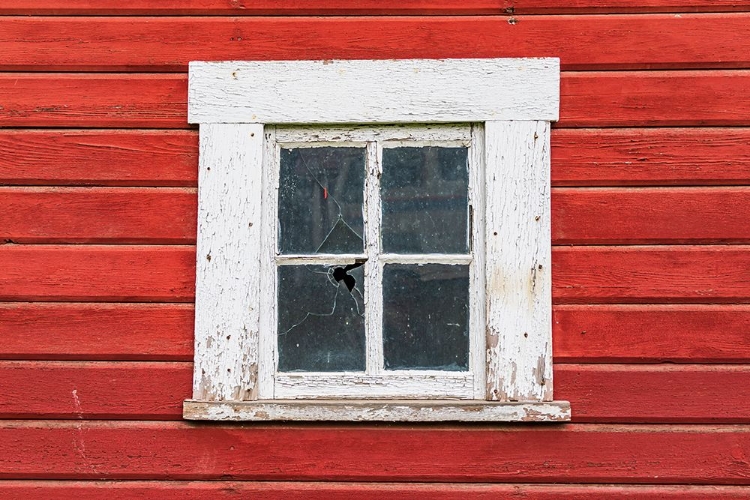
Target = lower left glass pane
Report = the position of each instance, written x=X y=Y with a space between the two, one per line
x=321 y=318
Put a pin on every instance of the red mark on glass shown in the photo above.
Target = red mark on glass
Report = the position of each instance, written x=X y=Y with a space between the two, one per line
x=325 y=193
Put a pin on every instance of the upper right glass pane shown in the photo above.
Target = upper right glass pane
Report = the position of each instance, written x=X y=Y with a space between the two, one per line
x=424 y=192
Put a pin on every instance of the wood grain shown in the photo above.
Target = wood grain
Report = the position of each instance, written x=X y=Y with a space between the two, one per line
x=655 y=41
x=99 y=157
x=101 y=273
x=275 y=490
x=583 y=157
x=651 y=333
x=96 y=331
x=179 y=451
x=650 y=216
x=588 y=99
x=363 y=7
x=666 y=274
x=650 y=156
x=597 y=393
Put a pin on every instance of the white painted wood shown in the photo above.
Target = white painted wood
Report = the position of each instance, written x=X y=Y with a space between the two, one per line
x=267 y=341
x=518 y=261
x=385 y=91
x=373 y=271
x=379 y=411
x=425 y=258
x=430 y=384
x=286 y=135
x=477 y=344
x=320 y=259
x=228 y=262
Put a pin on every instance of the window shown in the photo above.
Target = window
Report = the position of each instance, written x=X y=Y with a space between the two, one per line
x=373 y=240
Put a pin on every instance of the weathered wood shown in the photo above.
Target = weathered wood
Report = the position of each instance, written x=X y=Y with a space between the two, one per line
x=584 y=157
x=275 y=490
x=98 y=215
x=114 y=158
x=651 y=156
x=96 y=331
x=390 y=92
x=624 y=98
x=597 y=393
x=378 y=411
x=363 y=7
x=687 y=274
x=654 y=41
x=228 y=254
x=650 y=215
x=518 y=261
x=180 y=451
x=651 y=333
x=97 y=273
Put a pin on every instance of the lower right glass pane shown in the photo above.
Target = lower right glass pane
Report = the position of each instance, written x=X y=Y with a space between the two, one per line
x=426 y=317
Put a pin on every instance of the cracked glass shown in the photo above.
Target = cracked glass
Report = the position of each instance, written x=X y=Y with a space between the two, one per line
x=426 y=317
x=424 y=193
x=321 y=192
x=321 y=320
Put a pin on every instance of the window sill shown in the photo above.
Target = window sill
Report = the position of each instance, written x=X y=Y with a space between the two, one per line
x=377 y=411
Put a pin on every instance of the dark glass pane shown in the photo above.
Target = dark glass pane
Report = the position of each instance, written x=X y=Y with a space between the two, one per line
x=424 y=193
x=321 y=191
x=321 y=318
x=426 y=317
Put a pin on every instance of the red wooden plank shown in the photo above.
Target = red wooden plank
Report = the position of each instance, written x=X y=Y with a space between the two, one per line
x=96 y=331
x=597 y=393
x=361 y=7
x=93 y=100
x=658 y=98
x=592 y=42
x=582 y=334
x=650 y=156
x=679 y=274
x=580 y=217
x=598 y=99
x=574 y=453
x=274 y=490
x=580 y=157
x=620 y=216
x=651 y=333
x=94 y=215
x=123 y=158
x=103 y=273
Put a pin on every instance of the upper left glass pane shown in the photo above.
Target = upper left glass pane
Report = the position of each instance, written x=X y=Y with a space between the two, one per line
x=321 y=195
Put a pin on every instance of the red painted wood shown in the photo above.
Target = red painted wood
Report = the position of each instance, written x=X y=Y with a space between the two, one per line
x=596 y=99
x=95 y=215
x=102 y=273
x=117 y=157
x=651 y=333
x=613 y=333
x=155 y=391
x=580 y=157
x=650 y=156
x=275 y=490
x=580 y=217
x=90 y=389
x=657 y=98
x=662 y=41
x=681 y=274
x=96 y=331
x=661 y=274
x=577 y=453
x=617 y=216
x=93 y=100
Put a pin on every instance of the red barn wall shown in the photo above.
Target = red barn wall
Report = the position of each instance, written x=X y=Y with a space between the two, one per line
x=651 y=264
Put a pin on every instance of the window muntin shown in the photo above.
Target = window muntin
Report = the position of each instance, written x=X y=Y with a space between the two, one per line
x=330 y=332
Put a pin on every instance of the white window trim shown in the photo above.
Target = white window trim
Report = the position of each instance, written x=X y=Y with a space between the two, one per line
x=514 y=99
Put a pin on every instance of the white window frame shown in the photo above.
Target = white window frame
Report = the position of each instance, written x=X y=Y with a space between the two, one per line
x=238 y=104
